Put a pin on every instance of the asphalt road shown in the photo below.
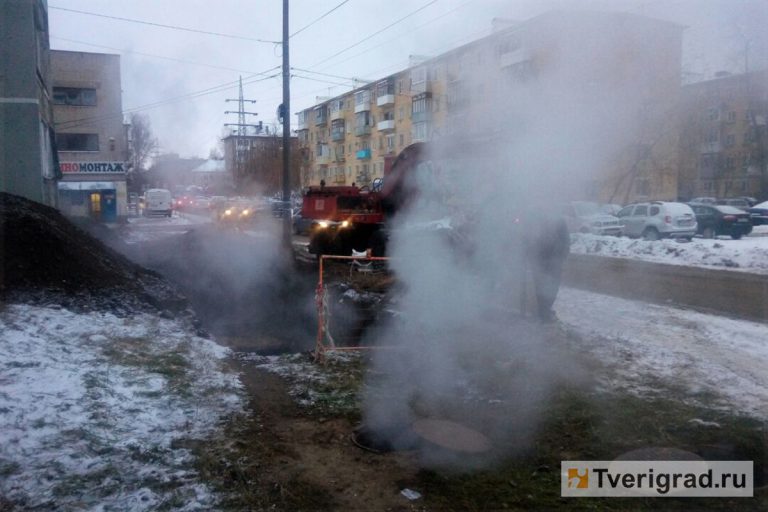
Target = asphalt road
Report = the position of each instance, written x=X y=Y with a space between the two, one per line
x=731 y=293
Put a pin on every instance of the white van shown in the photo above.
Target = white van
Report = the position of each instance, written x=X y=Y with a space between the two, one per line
x=158 y=201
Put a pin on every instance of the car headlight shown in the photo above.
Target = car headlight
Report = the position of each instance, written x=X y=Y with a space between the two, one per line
x=322 y=224
x=245 y=212
x=344 y=224
x=227 y=212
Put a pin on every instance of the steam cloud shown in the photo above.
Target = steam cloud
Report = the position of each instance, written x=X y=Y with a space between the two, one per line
x=467 y=352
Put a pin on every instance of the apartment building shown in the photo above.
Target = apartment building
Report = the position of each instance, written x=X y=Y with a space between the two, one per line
x=724 y=141
x=620 y=69
x=90 y=135
x=254 y=163
x=27 y=159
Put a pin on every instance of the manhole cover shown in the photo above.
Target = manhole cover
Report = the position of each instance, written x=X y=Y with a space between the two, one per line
x=451 y=435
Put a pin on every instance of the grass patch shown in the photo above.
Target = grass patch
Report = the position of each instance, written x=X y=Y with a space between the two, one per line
x=243 y=467
x=579 y=426
x=142 y=353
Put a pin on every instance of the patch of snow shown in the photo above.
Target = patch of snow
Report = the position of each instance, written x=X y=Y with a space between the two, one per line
x=91 y=405
x=750 y=254
x=707 y=355
x=703 y=423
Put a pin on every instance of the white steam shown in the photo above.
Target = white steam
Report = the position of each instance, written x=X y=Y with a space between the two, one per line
x=557 y=134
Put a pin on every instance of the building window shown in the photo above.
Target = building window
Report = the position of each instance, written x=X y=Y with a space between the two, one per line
x=402 y=141
x=74 y=96
x=390 y=142
x=730 y=140
x=77 y=141
x=731 y=116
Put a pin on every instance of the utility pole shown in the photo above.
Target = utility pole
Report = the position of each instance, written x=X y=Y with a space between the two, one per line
x=241 y=144
x=285 y=110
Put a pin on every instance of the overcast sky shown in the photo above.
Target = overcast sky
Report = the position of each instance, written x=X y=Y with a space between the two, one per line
x=714 y=40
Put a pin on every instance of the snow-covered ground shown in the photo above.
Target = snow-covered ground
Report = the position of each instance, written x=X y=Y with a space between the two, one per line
x=750 y=254
x=91 y=406
x=706 y=355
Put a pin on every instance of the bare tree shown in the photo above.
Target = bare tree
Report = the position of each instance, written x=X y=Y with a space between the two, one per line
x=142 y=141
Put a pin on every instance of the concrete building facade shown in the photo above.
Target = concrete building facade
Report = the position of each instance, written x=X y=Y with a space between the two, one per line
x=27 y=160
x=619 y=70
x=724 y=141
x=255 y=162
x=90 y=135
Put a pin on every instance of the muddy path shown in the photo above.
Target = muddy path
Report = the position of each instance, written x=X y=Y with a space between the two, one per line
x=306 y=462
x=277 y=455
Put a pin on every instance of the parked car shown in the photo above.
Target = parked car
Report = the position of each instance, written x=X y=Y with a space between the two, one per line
x=610 y=209
x=751 y=200
x=158 y=201
x=658 y=219
x=736 y=202
x=759 y=213
x=586 y=217
x=717 y=220
x=703 y=200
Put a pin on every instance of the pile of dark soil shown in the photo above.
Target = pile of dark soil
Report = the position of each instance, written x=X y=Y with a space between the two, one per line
x=44 y=254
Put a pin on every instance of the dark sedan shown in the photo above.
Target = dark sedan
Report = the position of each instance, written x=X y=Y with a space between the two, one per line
x=717 y=220
x=759 y=213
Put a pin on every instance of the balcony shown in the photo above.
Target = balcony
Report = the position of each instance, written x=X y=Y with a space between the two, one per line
x=422 y=87
x=386 y=126
x=362 y=101
x=363 y=154
x=514 y=57
x=421 y=117
x=361 y=131
x=322 y=155
x=337 y=135
x=339 y=157
x=321 y=115
x=385 y=100
x=337 y=110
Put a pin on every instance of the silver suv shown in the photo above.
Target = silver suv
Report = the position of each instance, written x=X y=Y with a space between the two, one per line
x=658 y=219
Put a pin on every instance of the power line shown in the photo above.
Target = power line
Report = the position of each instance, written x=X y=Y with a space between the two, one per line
x=321 y=80
x=121 y=50
x=352 y=79
x=377 y=32
x=401 y=34
x=302 y=29
x=161 y=25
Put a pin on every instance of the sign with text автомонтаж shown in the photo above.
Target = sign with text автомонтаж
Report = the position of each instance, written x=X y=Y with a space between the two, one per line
x=92 y=167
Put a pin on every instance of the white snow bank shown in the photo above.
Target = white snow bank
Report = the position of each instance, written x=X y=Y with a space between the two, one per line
x=90 y=405
x=750 y=254
x=707 y=355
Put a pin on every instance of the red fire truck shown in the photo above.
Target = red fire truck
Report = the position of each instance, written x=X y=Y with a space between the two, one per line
x=350 y=217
